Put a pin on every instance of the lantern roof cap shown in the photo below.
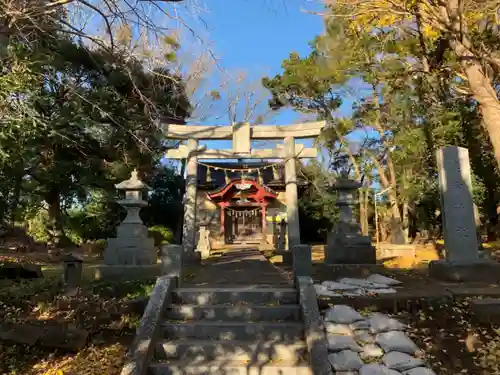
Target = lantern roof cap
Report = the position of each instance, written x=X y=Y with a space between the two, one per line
x=133 y=183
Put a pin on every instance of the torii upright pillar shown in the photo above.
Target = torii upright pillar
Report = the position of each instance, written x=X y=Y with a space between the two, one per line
x=292 y=208
x=189 y=225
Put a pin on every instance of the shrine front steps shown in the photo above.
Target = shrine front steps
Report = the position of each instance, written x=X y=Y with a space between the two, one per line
x=232 y=331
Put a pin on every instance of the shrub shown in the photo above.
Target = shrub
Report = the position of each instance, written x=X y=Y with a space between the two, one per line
x=96 y=247
x=161 y=235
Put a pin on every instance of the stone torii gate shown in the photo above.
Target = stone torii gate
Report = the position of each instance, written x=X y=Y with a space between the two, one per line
x=242 y=135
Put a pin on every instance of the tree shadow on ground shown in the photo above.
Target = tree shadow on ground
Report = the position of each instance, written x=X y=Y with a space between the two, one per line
x=108 y=311
x=238 y=267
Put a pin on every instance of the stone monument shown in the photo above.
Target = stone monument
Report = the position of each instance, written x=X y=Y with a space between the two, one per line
x=132 y=246
x=203 y=246
x=462 y=261
x=346 y=244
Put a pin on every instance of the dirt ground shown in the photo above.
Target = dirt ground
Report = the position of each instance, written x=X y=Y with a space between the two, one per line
x=452 y=339
x=103 y=310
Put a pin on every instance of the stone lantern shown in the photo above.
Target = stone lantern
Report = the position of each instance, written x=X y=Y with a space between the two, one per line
x=132 y=246
x=73 y=270
x=346 y=244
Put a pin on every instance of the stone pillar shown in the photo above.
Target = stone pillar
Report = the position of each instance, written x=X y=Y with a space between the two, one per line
x=455 y=187
x=346 y=244
x=302 y=261
x=171 y=262
x=203 y=246
x=222 y=218
x=462 y=261
x=189 y=226
x=292 y=208
x=264 y=221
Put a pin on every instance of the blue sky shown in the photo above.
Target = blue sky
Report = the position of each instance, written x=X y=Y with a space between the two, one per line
x=255 y=36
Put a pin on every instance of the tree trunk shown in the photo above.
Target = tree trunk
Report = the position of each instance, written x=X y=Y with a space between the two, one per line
x=396 y=224
x=406 y=222
x=397 y=233
x=480 y=84
x=15 y=199
x=54 y=226
x=182 y=188
x=363 y=211
x=484 y=93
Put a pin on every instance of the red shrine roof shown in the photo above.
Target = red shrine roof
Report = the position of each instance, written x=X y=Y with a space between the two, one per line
x=250 y=188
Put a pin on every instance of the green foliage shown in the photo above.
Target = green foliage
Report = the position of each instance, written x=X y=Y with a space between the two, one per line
x=161 y=235
x=317 y=207
x=74 y=123
x=18 y=292
x=96 y=219
x=123 y=289
x=37 y=226
x=400 y=115
x=165 y=201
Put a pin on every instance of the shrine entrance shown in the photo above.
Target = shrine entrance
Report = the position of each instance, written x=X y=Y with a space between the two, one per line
x=243 y=206
x=245 y=225
x=242 y=135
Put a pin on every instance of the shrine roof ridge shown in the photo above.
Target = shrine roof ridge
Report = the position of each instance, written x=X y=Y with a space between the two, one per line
x=237 y=181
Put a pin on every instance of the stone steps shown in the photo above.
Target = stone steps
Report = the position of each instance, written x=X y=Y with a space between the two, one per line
x=189 y=367
x=242 y=295
x=291 y=352
x=249 y=330
x=249 y=313
x=204 y=330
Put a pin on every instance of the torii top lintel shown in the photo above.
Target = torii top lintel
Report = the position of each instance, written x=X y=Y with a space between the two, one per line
x=258 y=132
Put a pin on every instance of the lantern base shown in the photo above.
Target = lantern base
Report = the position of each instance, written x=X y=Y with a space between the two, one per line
x=349 y=249
x=130 y=251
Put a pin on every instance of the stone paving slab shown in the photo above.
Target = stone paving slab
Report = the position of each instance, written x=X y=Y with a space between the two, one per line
x=236 y=267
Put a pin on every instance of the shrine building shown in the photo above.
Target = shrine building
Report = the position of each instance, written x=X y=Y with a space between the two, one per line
x=242 y=203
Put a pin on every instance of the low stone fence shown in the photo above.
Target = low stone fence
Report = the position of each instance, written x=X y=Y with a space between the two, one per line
x=313 y=326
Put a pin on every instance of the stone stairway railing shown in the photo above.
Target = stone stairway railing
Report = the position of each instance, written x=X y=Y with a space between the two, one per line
x=317 y=345
x=142 y=348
